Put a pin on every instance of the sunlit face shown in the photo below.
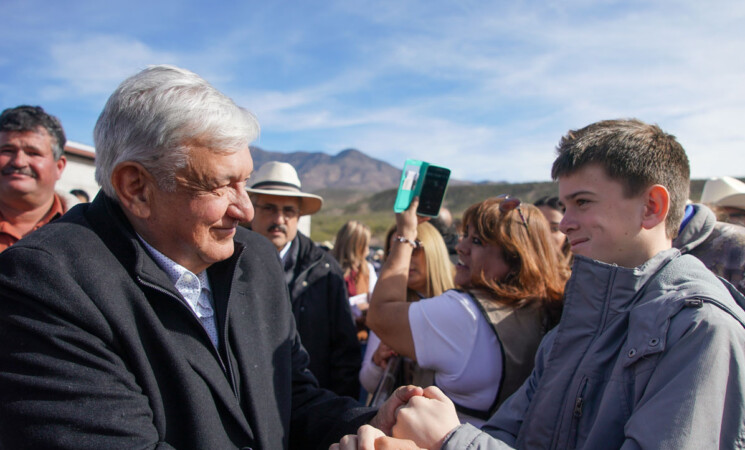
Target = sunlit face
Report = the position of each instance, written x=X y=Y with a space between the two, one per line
x=554 y=219
x=418 y=271
x=599 y=221
x=417 y=280
x=475 y=257
x=27 y=166
x=195 y=224
x=276 y=218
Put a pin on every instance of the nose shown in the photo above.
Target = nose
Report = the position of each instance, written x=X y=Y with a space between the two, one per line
x=567 y=223
x=241 y=208
x=19 y=159
x=279 y=217
x=460 y=247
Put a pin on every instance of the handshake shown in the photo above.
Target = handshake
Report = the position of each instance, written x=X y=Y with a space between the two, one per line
x=412 y=418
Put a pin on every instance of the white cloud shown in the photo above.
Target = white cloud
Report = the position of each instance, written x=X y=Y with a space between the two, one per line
x=681 y=67
x=486 y=88
x=96 y=64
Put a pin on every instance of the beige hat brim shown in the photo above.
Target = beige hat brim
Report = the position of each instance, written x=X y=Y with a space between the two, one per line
x=732 y=201
x=309 y=204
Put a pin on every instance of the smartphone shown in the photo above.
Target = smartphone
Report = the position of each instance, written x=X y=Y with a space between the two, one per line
x=422 y=179
x=433 y=191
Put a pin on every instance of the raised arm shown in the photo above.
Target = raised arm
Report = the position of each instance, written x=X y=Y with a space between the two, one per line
x=388 y=315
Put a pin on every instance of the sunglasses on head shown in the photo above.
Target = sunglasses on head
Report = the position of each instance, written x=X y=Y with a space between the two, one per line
x=507 y=204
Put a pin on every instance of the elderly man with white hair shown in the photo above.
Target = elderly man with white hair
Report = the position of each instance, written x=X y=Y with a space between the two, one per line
x=148 y=318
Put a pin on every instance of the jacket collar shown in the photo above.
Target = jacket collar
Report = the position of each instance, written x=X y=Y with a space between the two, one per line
x=697 y=230
x=109 y=221
x=597 y=291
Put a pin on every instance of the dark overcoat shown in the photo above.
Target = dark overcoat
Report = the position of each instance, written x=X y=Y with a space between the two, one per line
x=100 y=351
x=324 y=320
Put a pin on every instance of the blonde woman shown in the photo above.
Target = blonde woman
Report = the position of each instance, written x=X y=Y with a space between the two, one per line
x=430 y=275
x=350 y=249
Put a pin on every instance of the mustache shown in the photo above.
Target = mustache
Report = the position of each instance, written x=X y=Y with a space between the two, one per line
x=277 y=227
x=19 y=170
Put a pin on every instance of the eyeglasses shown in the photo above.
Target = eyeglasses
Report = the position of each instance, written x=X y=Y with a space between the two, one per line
x=507 y=204
x=289 y=212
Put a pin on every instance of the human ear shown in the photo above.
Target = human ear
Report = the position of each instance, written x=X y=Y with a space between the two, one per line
x=133 y=185
x=657 y=206
x=61 y=163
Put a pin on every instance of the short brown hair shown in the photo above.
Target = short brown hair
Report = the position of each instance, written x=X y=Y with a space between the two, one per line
x=636 y=154
x=30 y=118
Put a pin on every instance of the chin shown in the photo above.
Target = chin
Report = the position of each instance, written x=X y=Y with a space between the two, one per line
x=221 y=252
x=462 y=281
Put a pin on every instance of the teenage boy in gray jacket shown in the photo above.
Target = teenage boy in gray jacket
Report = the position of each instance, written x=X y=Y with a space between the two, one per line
x=650 y=350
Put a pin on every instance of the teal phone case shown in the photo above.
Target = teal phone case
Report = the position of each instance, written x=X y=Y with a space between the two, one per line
x=412 y=178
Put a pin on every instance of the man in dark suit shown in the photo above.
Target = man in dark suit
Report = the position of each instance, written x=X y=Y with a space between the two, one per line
x=316 y=282
x=148 y=318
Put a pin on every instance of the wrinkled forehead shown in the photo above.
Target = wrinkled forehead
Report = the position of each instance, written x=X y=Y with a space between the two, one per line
x=210 y=165
x=276 y=200
x=38 y=132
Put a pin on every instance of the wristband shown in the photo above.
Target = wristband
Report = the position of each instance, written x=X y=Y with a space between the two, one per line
x=400 y=238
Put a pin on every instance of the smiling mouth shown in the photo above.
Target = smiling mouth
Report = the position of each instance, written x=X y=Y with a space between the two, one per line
x=15 y=172
x=577 y=241
x=227 y=229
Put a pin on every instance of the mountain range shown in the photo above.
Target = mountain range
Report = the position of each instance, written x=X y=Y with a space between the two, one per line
x=349 y=169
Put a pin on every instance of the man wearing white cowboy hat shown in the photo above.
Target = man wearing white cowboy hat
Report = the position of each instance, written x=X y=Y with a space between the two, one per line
x=315 y=280
x=728 y=194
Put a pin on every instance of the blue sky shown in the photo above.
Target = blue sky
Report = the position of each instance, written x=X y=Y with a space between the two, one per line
x=486 y=88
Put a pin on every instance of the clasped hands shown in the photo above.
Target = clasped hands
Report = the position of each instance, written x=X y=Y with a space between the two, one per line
x=412 y=418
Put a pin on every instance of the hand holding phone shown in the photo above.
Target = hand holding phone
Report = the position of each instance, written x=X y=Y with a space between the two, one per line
x=427 y=181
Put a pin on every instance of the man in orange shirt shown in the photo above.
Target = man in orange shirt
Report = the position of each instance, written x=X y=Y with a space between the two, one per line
x=31 y=162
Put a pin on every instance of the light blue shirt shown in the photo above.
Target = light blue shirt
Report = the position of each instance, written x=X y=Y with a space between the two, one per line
x=194 y=288
x=285 y=249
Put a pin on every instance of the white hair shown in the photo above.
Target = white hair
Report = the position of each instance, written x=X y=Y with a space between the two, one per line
x=153 y=116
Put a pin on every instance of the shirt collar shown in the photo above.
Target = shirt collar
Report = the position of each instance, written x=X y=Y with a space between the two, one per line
x=55 y=211
x=178 y=274
x=285 y=250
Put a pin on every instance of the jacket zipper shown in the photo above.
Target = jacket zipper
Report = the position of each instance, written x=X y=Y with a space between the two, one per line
x=579 y=402
x=204 y=332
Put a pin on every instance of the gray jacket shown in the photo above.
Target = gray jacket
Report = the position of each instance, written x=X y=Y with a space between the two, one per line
x=719 y=245
x=642 y=358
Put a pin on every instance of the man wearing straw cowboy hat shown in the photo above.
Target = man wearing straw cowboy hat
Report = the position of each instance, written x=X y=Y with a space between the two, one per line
x=719 y=245
x=728 y=194
x=315 y=280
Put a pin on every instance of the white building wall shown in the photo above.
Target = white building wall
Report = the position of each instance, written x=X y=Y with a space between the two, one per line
x=80 y=170
x=78 y=174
